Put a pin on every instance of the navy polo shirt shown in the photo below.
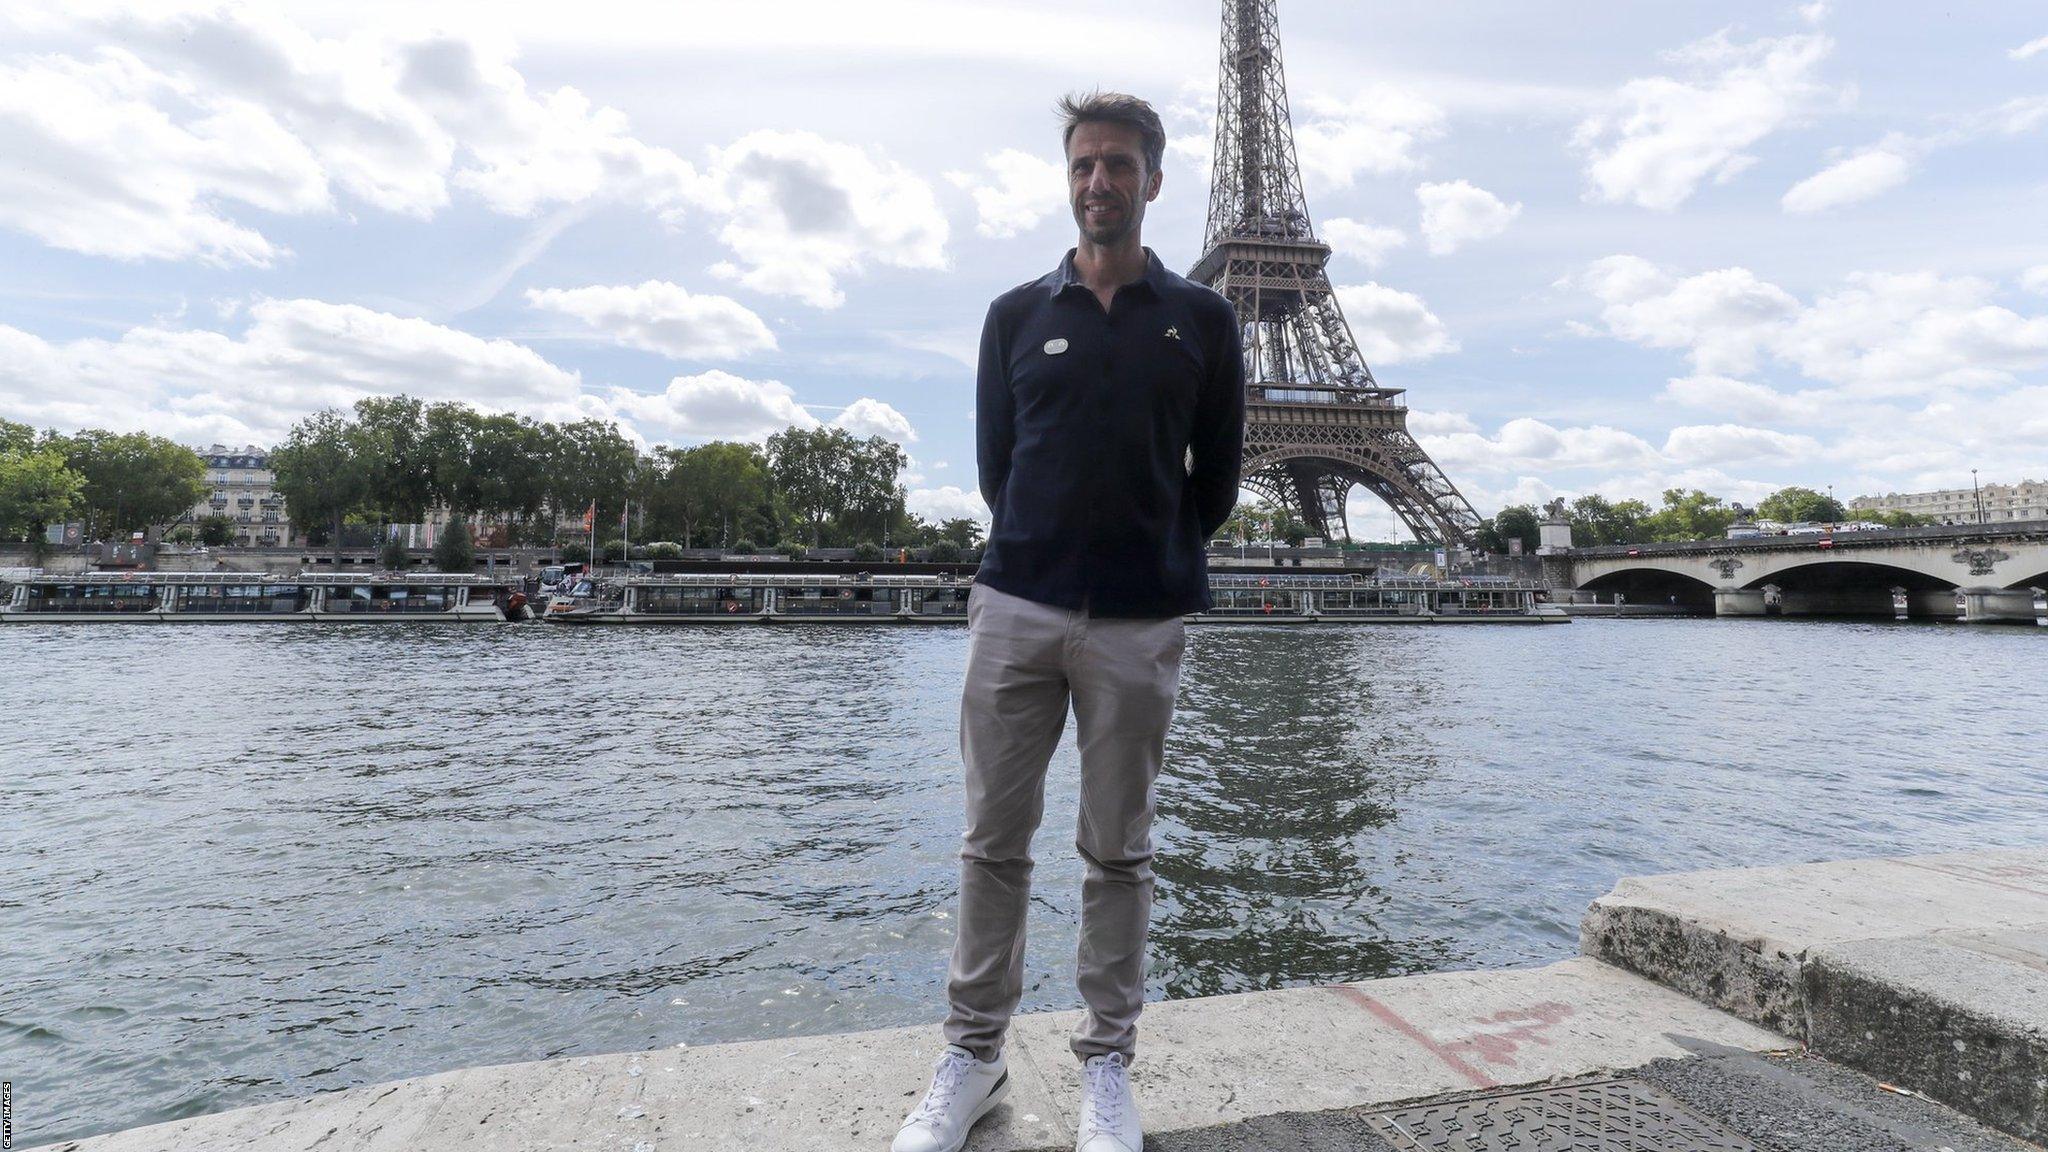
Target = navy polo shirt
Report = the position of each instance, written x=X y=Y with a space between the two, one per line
x=1108 y=441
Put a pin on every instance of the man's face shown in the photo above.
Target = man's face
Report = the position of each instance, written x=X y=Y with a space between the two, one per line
x=1107 y=182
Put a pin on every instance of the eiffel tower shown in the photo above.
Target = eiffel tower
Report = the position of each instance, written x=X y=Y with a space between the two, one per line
x=1316 y=421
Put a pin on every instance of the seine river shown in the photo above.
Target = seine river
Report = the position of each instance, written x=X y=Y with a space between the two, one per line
x=244 y=863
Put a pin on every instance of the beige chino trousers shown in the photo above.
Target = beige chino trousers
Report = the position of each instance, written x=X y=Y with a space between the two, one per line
x=1026 y=662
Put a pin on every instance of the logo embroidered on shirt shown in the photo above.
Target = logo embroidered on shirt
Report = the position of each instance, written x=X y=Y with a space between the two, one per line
x=1173 y=333
x=1056 y=345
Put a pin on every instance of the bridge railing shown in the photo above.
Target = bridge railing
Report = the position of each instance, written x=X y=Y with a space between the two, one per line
x=1870 y=537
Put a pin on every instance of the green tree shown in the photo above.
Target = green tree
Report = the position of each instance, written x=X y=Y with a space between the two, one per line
x=873 y=494
x=945 y=551
x=454 y=551
x=720 y=484
x=1514 y=522
x=133 y=481
x=1688 y=515
x=394 y=556
x=448 y=442
x=964 y=531
x=1794 y=505
x=813 y=470
x=16 y=438
x=321 y=475
x=590 y=462
x=398 y=462
x=37 y=489
x=1898 y=519
x=215 y=530
x=1597 y=521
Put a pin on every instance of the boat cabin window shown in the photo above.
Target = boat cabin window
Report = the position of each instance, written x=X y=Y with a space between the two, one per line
x=91 y=598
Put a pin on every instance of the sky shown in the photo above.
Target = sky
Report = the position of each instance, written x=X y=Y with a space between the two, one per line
x=1604 y=247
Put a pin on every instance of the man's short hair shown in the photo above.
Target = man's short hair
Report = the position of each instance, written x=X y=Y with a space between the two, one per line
x=1115 y=108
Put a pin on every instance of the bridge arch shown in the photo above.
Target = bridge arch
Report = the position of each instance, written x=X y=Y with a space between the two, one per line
x=2037 y=580
x=1654 y=584
x=1847 y=586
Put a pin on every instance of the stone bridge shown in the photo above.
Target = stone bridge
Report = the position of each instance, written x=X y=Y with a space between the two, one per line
x=1976 y=573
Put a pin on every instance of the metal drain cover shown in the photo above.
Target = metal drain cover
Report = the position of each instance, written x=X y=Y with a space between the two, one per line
x=1601 y=1116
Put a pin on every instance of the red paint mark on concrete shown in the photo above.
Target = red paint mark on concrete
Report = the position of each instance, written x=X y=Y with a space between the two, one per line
x=1447 y=1053
x=1502 y=1034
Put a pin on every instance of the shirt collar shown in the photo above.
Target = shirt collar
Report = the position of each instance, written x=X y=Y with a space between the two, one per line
x=1064 y=277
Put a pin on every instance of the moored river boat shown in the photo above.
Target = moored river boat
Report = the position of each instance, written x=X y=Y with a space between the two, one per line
x=762 y=598
x=246 y=598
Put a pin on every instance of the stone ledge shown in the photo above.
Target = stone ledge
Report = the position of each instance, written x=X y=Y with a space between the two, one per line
x=1930 y=970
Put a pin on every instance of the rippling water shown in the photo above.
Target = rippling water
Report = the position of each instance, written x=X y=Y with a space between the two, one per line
x=244 y=863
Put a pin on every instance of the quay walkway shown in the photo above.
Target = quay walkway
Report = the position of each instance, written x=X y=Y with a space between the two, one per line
x=1860 y=1006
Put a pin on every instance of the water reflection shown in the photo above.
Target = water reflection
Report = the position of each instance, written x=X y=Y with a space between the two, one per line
x=1284 y=761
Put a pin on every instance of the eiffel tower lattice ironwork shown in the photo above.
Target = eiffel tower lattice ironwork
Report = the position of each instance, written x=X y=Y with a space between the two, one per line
x=1316 y=421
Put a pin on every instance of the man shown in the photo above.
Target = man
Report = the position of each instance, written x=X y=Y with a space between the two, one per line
x=1110 y=425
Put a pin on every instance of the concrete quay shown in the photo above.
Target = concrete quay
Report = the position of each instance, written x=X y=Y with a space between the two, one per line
x=1928 y=971
x=1759 y=961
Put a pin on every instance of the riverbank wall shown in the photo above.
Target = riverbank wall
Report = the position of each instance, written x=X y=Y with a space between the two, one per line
x=1931 y=972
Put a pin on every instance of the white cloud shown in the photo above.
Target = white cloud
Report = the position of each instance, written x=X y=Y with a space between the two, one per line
x=1881 y=334
x=1374 y=134
x=1527 y=444
x=802 y=211
x=2035 y=279
x=1721 y=318
x=1391 y=326
x=662 y=317
x=1815 y=12
x=1747 y=401
x=1458 y=213
x=709 y=405
x=1712 y=444
x=1019 y=191
x=1361 y=240
x=1659 y=137
x=1422 y=422
x=2017 y=115
x=2030 y=49
x=93 y=166
x=870 y=417
x=1860 y=177
x=294 y=357
x=1887 y=334
x=138 y=151
x=145 y=150
x=947 y=502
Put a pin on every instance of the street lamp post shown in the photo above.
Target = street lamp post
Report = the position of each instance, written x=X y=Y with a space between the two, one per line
x=1977 y=494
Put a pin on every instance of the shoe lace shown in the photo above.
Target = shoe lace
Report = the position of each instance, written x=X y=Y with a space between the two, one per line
x=947 y=1077
x=1108 y=1088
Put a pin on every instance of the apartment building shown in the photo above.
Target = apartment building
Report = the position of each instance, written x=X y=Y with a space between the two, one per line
x=2002 y=503
x=242 y=491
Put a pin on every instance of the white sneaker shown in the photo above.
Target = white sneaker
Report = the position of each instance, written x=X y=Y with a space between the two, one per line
x=963 y=1090
x=1109 y=1116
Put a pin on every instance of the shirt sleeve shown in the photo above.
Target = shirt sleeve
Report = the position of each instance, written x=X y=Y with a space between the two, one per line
x=995 y=417
x=1217 y=442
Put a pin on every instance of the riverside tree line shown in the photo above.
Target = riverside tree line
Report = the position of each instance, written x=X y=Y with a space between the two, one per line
x=349 y=475
x=393 y=460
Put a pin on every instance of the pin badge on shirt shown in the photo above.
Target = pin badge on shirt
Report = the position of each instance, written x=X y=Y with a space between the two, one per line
x=1056 y=345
